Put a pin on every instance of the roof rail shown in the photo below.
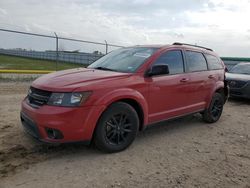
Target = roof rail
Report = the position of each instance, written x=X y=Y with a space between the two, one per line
x=179 y=43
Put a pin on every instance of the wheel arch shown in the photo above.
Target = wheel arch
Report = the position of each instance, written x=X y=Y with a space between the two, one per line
x=223 y=90
x=137 y=107
x=219 y=87
x=131 y=97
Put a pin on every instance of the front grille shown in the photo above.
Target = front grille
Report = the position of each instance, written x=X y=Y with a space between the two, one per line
x=237 y=84
x=235 y=93
x=38 y=97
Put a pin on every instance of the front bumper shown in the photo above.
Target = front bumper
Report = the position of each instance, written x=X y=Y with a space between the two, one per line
x=243 y=92
x=74 y=124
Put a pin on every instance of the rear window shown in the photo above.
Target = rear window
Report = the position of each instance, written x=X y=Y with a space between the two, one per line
x=195 y=61
x=213 y=62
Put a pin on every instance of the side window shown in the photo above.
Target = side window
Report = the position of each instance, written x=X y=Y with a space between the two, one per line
x=195 y=61
x=173 y=59
x=213 y=62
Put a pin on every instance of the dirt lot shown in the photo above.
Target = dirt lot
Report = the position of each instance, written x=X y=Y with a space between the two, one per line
x=180 y=153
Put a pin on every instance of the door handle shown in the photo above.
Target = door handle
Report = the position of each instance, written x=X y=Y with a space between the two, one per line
x=184 y=80
x=211 y=76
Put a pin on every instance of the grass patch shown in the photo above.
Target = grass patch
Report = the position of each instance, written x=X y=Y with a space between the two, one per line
x=22 y=63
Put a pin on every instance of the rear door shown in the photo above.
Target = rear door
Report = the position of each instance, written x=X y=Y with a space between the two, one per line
x=200 y=82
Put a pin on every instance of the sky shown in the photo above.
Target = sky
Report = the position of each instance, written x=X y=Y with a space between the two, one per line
x=222 y=25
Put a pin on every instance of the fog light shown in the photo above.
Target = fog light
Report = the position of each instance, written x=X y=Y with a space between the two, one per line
x=54 y=133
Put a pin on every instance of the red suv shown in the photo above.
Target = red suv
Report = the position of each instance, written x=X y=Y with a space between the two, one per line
x=124 y=92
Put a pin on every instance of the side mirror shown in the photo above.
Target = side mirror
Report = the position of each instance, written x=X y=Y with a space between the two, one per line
x=158 y=70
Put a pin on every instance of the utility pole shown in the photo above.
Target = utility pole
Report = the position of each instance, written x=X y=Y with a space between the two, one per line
x=57 y=53
x=106 y=47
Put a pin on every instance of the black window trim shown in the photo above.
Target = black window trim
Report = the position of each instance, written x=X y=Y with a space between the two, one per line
x=183 y=62
x=188 y=71
x=219 y=60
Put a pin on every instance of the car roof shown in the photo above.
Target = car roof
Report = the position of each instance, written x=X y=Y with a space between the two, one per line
x=184 y=46
x=152 y=46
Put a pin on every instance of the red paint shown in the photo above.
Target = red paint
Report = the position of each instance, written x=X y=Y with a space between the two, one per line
x=160 y=97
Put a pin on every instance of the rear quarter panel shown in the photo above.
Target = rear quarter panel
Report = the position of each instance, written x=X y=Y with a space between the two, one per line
x=218 y=83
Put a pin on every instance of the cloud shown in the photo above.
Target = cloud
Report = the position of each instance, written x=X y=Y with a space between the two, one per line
x=3 y=11
x=219 y=24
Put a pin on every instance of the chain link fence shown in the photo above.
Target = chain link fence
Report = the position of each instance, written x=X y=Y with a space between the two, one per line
x=59 y=55
x=78 y=57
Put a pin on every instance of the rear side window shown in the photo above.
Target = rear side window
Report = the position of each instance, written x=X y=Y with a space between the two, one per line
x=195 y=61
x=173 y=59
x=213 y=62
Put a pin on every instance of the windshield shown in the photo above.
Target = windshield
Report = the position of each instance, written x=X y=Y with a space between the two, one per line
x=124 y=59
x=241 y=69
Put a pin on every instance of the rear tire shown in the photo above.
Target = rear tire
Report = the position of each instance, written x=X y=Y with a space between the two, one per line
x=116 y=128
x=214 y=111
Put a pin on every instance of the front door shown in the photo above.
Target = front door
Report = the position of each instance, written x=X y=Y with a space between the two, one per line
x=168 y=93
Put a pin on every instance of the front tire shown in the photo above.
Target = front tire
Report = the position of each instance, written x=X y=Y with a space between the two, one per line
x=214 y=111
x=117 y=128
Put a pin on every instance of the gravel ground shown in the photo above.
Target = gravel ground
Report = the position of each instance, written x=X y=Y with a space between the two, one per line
x=182 y=153
x=18 y=77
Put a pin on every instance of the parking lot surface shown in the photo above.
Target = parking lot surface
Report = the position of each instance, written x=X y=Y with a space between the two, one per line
x=180 y=153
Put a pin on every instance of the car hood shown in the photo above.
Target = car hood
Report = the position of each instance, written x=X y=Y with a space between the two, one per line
x=69 y=80
x=233 y=76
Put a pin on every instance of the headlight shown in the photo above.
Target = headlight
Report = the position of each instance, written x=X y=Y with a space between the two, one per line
x=68 y=99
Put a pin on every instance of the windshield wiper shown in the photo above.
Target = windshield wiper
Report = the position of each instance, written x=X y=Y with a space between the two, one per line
x=104 y=68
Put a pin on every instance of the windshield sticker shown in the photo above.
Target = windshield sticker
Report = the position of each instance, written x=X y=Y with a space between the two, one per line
x=130 y=68
x=145 y=55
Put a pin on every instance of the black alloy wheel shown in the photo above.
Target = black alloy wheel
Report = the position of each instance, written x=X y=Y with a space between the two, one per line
x=216 y=108
x=116 y=128
x=214 y=111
